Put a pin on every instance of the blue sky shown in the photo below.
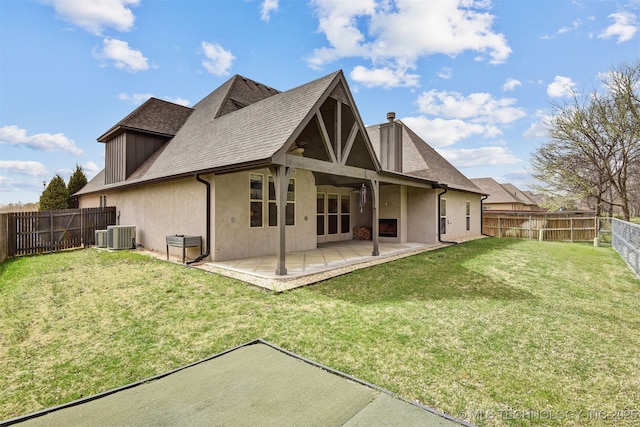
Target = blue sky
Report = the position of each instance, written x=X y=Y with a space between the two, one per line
x=474 y=78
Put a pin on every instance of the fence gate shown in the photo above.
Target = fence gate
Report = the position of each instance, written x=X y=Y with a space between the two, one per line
x=50 y=231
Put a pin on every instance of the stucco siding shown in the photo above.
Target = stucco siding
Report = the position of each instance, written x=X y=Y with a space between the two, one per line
x=421 y=215
x=456 y=215
x=234 y=236
x=158 y=210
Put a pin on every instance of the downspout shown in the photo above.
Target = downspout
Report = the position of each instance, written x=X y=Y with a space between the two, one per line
x=208 y=236
x=439 y=203
x=485 y=197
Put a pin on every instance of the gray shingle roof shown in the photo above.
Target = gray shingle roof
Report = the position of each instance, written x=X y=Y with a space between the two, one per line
x=222 y=132
x=497 y=192
x=154 y=116
x=250 y=134
x=519 y=195
x=419 y=159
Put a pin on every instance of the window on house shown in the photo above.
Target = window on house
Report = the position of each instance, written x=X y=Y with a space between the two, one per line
x=320 y=210
x=103 y=201
x=443 y=216
x=256 y=184
x=332 y=211
x=468 y=215
x=345 y=213
x=291 y=200
x=273 y=207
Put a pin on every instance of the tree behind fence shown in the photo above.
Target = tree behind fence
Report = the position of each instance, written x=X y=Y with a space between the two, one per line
x=50 y=231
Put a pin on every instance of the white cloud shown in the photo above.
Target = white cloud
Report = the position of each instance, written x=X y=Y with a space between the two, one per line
x=479 y=107
x=96 y=15
x=266 y=8
x=445 y=73
x=511 y=84
x=566 y=29
x=396 y=34
x=29 y=168
x=135 y=98
x=179 y=101
x=123 y=56
x=561 y=87
x=217 y=60
x=13 y=135
x=140 y=98
x=450 y=116
x=483 y=156
x=539 y=128
x=624 y=27
x=441 y=133
x=91 y=169
x=383 y=77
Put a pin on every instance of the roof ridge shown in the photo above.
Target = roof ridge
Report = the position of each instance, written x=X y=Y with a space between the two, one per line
x=137 y=112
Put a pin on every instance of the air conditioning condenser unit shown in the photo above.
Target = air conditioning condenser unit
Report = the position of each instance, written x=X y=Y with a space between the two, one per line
x=121 y=237
x=101 y=239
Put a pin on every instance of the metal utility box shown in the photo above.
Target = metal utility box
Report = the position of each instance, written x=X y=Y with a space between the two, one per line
x=183 y=241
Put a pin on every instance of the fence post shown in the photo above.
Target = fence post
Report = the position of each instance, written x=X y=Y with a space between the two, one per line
x=530 y=228
x=571 y=227
x=499 y=235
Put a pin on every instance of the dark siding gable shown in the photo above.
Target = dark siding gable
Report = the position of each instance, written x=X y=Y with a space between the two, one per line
x=127 y=151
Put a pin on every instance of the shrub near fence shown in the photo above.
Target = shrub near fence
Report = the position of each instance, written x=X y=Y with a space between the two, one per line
x=625 y=239
x=540 y=226
x=50 y=231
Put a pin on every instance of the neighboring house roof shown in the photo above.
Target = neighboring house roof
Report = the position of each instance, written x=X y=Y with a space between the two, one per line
x=154 y=116
x=517 y=194
x=536 y=198
x=497 y=193
x=421 y=160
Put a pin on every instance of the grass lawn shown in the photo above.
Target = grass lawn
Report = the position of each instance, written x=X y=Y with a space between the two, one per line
x=494 y=325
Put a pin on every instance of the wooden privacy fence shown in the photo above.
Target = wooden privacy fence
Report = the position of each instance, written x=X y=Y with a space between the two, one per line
x=540 y=226
x=50 y=231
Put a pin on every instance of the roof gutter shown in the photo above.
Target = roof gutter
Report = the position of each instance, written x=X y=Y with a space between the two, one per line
x=444 y=187
x=208 y=216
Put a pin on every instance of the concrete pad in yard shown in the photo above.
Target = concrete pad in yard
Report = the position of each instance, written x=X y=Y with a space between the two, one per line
x=255 y=384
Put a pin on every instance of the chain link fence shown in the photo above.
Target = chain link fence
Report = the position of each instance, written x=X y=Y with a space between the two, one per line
x=625 y=239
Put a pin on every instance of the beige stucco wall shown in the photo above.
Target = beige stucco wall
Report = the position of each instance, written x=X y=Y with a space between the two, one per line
x=421 y=215
x=234 y=238
x=179 y=207
x=456 y=215
x=158 y=210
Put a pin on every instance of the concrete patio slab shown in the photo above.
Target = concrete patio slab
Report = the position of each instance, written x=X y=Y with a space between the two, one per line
x=254 y=384
x=306 y=267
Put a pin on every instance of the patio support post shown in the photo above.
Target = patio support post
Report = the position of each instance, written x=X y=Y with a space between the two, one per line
x=281 y=175
x=375 y=221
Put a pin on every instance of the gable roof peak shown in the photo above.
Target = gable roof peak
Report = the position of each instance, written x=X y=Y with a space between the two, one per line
x=154 y=116
x=238 y=92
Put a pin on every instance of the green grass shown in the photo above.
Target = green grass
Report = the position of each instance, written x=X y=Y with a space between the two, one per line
x=491 y=325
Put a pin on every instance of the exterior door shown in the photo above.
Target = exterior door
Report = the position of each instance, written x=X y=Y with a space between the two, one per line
x=333 y=217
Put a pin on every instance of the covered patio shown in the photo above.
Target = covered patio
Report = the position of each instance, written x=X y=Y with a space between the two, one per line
x=306 y=267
